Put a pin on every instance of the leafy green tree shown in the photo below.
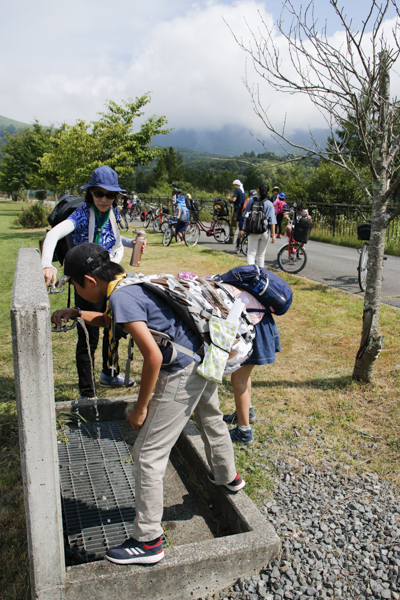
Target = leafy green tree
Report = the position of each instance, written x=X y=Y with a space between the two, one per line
x=112 y=141
x=252 y=180
x=330 y=184
x=296 y=183
x=160 y=173
x=19 y=168
x=174 y=165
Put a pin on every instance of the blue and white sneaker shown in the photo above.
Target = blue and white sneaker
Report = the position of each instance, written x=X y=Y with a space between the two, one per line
x=132 y=552
x=234 y=486
x=241 y=437
x=116 y=381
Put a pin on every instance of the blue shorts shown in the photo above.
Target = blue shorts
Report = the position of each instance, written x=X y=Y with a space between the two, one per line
x=266 y=342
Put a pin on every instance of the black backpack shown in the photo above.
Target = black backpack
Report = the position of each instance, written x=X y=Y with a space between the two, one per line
x=63 y=209
x=256 y=222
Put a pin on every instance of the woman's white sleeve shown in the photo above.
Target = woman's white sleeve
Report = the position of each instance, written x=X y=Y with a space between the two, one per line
x=57 y=233
x=127 y=242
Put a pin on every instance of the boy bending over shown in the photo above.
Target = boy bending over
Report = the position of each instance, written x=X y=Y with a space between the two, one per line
x=168 y=394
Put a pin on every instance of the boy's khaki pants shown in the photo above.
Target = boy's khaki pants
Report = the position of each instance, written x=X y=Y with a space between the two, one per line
x=176 y=397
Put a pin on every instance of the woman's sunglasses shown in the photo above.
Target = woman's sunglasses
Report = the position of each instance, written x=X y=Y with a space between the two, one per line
x=108 y=195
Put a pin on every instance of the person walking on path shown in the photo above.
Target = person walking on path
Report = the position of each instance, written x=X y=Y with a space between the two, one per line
x=237 y=200
x=280 y=206
x=124 y=209
x=94 y=221
x=258 y=242
x=252 y=194
x=159 y=414
x=274 y=194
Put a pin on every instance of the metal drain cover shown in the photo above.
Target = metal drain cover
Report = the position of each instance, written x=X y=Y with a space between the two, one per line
x=97 y=490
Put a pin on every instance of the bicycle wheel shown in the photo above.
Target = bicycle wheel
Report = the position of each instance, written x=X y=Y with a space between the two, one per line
x=167 y=237
x=165 y=223
x=135 y=214
x=294 y=262
x=157 y=224
x=192 y=234
x=244 y=246
x=362 y=268
x=148 y=220
x=222 y=231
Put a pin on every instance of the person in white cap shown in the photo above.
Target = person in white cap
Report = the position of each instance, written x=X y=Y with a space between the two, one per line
x=238 y=199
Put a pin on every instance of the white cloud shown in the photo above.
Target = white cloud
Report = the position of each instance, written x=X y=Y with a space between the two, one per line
x=62 y=61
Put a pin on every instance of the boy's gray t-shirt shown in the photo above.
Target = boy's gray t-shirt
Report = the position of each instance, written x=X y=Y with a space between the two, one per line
x=134 y=303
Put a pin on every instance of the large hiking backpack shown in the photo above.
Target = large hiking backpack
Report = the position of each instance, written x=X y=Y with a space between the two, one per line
x=256 y=222
x=269 y=289
x=63 y=209
x=220 y=208
x=196 y=301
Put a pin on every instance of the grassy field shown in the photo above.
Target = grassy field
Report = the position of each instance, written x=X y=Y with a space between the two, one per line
x=306 y=403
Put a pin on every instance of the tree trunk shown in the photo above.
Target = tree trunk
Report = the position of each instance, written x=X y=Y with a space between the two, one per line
x=371 y=339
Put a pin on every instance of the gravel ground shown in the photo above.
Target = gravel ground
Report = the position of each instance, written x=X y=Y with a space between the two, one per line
x=340 y=536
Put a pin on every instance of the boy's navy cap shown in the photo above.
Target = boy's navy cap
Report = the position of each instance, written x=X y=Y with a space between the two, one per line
x=253 y=193
x=106 y=178
x=85 y=258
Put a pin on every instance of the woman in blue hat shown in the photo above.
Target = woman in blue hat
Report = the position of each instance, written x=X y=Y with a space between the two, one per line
x=94 y=221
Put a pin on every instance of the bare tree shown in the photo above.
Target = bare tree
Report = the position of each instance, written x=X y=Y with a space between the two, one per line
x=350 y=85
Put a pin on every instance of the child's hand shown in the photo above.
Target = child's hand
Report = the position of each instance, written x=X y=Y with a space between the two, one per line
x=137 y=417
x=63 y=315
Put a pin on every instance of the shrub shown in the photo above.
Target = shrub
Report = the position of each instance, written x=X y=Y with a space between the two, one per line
x=33 y=216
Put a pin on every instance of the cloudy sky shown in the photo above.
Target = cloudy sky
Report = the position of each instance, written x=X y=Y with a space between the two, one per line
x=60 y=61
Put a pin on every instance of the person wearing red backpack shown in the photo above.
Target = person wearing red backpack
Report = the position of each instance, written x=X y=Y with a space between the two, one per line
x=279 y=206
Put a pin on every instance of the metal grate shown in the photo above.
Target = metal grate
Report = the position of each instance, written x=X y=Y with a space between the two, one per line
x=97 y=490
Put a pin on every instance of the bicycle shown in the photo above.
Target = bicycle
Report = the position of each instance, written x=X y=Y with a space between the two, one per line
x=150 y=215
x=219 y=228
x=122 y=222
x=244 y=244
x=161 y=219
x=170 y=232
x=135 y=210
x=292 y=258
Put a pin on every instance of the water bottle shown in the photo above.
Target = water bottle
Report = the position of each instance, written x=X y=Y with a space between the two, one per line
x=260 y=286
x=137 y=249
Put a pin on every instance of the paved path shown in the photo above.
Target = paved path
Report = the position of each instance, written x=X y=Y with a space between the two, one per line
x=332 y=265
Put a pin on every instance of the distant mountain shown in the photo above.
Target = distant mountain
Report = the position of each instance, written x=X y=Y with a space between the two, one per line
x=231 y=140
x=6 y=122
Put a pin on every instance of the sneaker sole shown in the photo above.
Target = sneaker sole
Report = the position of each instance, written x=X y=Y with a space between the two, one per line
x=245 y=442
x=137 y=560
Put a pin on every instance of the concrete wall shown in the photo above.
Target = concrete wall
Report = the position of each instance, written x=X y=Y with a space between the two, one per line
x=33 y=369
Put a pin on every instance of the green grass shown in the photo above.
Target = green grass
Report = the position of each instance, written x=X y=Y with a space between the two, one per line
x=392 y=245
x=306 y=403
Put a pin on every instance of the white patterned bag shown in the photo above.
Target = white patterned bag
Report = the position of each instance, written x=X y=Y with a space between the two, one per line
x=204 y=306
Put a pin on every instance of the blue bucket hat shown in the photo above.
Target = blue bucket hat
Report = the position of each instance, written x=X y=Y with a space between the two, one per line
x=282 y=196
x=106 y=178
